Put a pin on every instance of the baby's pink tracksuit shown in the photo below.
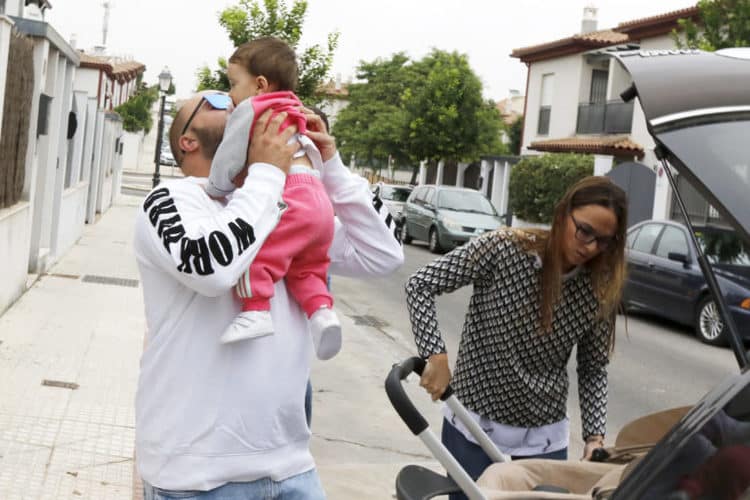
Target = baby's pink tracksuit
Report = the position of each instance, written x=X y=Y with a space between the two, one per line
x=297 y=249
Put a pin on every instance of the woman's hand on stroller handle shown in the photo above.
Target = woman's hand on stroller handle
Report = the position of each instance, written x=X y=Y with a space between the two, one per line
x=436 y=375
x=593 y=443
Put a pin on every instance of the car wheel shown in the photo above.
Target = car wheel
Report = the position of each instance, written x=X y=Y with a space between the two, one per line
x=435 y=241
x=405 y=238
x=708 y=324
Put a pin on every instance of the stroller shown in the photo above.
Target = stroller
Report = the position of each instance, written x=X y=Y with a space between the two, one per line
x=650 y=454
x=699 y=118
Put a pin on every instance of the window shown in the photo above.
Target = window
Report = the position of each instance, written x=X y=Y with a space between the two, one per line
x=632 y=235
x=419 y=195
x=545 y=104
x=672 y=240
x=428 y=198
x=644 y=242
x=466 y=201
x=598 y=92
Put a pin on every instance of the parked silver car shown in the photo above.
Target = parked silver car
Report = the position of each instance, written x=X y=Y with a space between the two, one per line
x=446 y=216
x=394 y=196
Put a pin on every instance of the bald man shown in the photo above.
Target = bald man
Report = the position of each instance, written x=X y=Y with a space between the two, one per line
x=228 y=421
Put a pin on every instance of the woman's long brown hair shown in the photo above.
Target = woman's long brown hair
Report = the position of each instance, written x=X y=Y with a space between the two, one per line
x=607 y=268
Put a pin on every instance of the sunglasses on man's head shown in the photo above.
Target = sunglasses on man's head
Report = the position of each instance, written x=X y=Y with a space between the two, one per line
x=216 y=101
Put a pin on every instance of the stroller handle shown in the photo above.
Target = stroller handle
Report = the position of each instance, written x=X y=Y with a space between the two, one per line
x=400 y=401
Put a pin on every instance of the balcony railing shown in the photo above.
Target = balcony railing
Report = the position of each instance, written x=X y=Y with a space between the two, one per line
x=605 y=118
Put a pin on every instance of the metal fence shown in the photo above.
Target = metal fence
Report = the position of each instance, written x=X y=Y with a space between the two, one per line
x=605 y=118
x=14 y=139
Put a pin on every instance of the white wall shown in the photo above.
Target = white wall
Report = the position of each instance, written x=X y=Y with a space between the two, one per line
x=566 y=90
x=132 y=147
x=71 y=218
x=87 y=80
x=14 y=251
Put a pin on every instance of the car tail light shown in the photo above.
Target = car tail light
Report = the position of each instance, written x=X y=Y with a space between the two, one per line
x=745 y=304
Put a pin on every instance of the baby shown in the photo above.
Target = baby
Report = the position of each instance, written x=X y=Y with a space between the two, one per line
x=262 y=74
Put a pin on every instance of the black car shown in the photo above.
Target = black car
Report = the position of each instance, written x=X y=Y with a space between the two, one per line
x=664 y=277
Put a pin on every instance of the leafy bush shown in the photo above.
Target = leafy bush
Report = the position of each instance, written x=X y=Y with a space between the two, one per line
x=136 y=111
x=538 y=182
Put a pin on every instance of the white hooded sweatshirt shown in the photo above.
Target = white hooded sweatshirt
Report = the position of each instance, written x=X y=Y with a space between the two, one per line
x=208 y=413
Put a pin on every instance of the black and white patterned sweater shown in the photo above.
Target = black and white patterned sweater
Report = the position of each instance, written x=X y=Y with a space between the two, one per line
x=506 y=369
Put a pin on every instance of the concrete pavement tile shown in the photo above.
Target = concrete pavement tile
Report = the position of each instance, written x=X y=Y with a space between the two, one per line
x=23 y=469
x=24 y=430
x=91 y=461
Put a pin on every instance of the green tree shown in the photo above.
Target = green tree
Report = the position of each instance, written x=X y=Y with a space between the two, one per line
x=430 y=109
x=514 y=134
x=447 y=116
x=250 y=20
x=136 y=111
x=372 y=126
x=538 y=182
x=723 y=24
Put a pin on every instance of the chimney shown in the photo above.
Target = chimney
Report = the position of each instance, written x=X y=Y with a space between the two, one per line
x=73 y=41
x=588 y=23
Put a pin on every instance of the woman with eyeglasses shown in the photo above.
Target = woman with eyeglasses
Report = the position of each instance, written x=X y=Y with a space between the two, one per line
x=536 y=295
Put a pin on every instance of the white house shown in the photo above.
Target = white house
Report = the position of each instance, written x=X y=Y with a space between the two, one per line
x=335 y=97
x=573 y=97
x=60 y=148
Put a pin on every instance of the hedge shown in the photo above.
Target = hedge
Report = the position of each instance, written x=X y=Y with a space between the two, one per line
x=538 y=182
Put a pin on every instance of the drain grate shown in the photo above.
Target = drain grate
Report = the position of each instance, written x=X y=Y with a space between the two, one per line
x=367 y=320
x=108 y=280
x=61 y=384
x=61 y=275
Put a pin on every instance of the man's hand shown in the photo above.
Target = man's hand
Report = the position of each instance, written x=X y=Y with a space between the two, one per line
x=316 y=131
x=268 y=143
x=436 y=375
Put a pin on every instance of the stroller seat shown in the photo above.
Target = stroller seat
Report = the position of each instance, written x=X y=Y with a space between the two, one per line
x=581 y=480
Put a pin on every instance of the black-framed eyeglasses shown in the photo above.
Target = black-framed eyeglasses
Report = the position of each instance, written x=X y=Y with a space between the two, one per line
x=216 y=101
x=586 y=235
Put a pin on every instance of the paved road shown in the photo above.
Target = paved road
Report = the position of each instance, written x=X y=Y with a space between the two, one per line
x=656 y=364
x=139 y=183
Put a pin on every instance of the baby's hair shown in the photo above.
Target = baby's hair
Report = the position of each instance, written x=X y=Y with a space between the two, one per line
x=271 y=58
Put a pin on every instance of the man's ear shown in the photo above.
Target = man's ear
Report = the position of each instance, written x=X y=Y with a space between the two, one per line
x=187 y=144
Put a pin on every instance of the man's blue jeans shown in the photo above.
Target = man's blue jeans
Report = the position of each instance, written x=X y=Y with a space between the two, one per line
x=305 y=486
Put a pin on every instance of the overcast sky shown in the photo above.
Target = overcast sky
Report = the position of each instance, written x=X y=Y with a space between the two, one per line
x=185 y=34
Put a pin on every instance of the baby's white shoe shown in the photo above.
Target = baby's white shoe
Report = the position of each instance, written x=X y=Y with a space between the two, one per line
x=248 y=325
x=326 y=333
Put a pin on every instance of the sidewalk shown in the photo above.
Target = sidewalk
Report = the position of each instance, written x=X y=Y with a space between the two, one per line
x=80 y=327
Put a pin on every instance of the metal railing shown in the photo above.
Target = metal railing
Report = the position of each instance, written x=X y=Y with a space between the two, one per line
x=613 y=117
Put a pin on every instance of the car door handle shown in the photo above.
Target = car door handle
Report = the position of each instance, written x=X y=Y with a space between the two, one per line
x=651 y=266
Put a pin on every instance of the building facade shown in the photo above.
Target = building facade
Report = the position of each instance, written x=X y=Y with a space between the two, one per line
x=60 y=144
x=573 y=99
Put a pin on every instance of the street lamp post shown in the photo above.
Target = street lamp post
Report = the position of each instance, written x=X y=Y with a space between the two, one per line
x=165 y=81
